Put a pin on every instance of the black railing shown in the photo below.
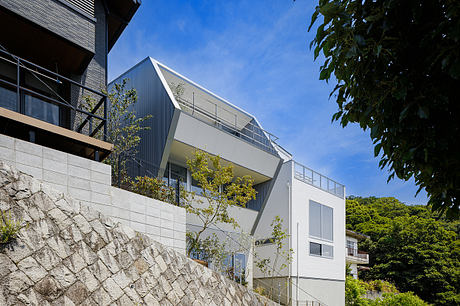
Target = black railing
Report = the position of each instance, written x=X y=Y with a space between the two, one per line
x=55 y=90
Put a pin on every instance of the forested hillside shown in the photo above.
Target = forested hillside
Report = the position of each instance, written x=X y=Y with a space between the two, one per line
x=409 y=246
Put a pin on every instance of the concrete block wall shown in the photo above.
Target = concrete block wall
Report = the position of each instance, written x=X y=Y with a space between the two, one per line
x=90 y=182
x=163 y=222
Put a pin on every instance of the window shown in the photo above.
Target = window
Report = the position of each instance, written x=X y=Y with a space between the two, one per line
x=322 y=250
x=174 y=173
x=42 y=110
x=8 y=99
x=195 y=187
x=321 y=221
x=315 y=249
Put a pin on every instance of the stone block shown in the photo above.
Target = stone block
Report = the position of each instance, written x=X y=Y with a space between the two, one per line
x=63 y=276
x=47 y=258
x=88 y=279
x=112 y=288
x=77 y=292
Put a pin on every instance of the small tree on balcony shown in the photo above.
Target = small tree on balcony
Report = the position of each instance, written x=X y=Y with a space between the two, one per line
x=123 y=127
x=220 y=190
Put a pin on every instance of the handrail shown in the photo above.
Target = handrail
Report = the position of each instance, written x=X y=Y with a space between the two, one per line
x=38 y=71
x=354 y=252
x=316 y=179
x=235 y=131
x=50 y=72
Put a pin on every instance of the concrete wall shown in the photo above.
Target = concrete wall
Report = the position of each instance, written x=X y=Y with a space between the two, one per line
x=323 y=290
x=90 y=182
x=277 y=205
x=227 y=146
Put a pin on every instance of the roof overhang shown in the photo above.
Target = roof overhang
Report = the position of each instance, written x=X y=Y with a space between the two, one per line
x=356 y=235
x=39 y=45
x=119 y=14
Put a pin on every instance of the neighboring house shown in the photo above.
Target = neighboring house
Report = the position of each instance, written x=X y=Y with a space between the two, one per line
x=354 y=257
x=311 y=205
x=53 y=53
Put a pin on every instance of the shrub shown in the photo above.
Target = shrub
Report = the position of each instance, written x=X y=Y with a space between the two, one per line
x=400 y=299
x=154 y=188
x=354 y=292
x=381 y=286
x=8 y=228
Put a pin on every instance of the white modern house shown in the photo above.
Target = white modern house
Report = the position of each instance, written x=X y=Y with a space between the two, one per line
x=354 y=257
x=311 y=205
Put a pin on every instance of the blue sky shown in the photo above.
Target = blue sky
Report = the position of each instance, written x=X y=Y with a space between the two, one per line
x=256 y=55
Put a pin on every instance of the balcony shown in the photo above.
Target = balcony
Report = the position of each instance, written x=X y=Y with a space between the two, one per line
x=318 y=180
x=229 y=122
x=42 y=106
x=356 y=256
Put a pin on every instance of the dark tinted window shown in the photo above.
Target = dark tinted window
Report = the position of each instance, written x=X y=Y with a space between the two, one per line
x=315 y=249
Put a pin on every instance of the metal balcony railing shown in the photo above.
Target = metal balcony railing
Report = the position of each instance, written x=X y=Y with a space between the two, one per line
x=250 y=133
x=354 y=252
x=318 y=180
x=54 y=97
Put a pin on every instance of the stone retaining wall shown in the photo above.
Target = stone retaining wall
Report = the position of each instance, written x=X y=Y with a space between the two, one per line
x=69 y=254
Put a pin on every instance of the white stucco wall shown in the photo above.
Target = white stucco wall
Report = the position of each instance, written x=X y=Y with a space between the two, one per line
x=229 y=147
x=90 y=182
x=321 y=277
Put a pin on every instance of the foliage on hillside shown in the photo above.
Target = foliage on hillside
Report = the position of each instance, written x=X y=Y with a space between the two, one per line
x=409 y=246
x=355 y=291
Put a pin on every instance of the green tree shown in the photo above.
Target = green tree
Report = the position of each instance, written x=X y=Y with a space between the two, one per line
x=123 y=128
x=220 y=190
x=396 y=65
x=409 y=247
